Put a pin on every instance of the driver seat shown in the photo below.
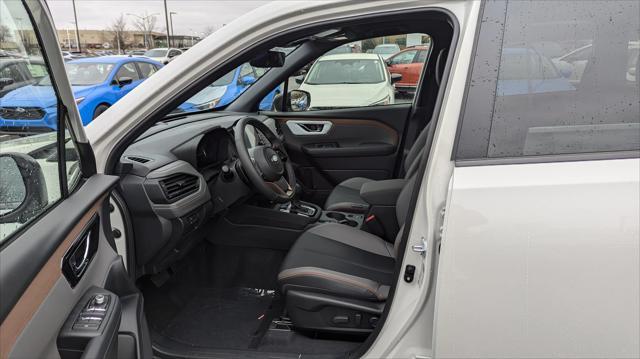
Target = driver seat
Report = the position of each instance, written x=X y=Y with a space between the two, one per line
x=336 y=278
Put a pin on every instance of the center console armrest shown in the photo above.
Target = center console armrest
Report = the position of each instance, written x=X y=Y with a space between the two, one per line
x=382 y=193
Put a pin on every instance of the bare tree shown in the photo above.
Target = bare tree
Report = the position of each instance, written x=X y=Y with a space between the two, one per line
x=208 y=31
x=118 y=27
x=146 y=24
x=5 y=33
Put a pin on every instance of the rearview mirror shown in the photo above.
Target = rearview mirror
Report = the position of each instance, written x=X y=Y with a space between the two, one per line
x=23 y=190
x=299 y=100
x=395 y=78
x=5 y=81
x=268 y=59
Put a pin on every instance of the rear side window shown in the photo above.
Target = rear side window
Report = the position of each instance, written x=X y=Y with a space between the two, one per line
x=553 y=78
x=128 y=70
x=147 y=69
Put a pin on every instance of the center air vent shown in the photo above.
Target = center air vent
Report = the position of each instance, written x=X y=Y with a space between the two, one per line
x=179 y=186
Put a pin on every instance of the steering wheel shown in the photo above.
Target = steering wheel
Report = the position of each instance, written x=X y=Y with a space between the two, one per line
x=267 y=167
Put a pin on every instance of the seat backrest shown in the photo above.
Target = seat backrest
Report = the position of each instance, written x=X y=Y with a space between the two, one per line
x=402 y=209
x=412 y=159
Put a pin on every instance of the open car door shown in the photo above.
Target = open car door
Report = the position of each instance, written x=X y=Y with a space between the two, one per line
x=64 y=290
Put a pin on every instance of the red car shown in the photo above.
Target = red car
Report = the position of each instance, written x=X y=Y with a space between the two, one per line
x=408 y=63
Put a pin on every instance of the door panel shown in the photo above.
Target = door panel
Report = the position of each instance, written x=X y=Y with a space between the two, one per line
x=331 y=146
x=57 y=249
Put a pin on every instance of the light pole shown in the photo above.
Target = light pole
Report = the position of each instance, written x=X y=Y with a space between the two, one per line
x=144 y=25
x=75 y=17
x=166 y=19
x=171 y=22
x=77 y=36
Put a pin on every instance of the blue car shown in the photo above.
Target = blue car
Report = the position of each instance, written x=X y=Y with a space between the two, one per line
x=97 y=83
x=227 y=88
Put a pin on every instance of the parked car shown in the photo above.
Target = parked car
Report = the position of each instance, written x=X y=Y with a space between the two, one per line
x=136 y=52
x=386 y=50
x=227 y=88
x=67 y=56
x=494 y=216
x=347 y=80
x=97 y=83
x=18 y=72
x=408 y=63
x=163 y=55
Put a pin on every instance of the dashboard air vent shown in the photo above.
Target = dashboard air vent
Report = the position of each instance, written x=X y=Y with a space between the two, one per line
x=138 y=159
x=179 y=186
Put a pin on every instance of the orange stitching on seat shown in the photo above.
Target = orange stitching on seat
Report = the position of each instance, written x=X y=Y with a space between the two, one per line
x=330 y=276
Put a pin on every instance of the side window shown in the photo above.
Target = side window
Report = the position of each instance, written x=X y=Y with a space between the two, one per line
x=37 y=70
x=360 y=74
x=405 y=57
x=174 y=53
x=32 y=178
x=12 y=71
x=127 y=70
x=146 y=69
x=422 y=57
x=563 y=85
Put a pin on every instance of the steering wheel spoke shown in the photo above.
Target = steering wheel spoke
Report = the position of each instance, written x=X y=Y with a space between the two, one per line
x=267 y=166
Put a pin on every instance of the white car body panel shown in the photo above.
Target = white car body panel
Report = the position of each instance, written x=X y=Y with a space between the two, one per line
x=541 y=261
x=351 y=95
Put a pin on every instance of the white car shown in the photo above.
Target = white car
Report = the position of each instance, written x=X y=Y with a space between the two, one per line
x=162 y=54
x=348 y=80
x=496 y=215
x=386 y=50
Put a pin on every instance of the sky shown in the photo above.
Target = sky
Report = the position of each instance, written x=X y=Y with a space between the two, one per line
x=193 y=16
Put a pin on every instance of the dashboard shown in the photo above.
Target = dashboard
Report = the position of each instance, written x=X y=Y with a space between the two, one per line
x=177 y=177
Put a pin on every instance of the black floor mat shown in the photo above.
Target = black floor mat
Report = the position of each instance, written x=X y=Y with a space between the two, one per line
x=220 y=318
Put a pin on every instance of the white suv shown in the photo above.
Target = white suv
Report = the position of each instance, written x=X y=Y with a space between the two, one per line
x=492 y=214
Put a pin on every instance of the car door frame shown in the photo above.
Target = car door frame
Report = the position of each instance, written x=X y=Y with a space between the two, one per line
x=36 y=298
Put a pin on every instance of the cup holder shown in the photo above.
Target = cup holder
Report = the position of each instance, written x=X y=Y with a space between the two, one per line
x=349 y=222
x=337 y=216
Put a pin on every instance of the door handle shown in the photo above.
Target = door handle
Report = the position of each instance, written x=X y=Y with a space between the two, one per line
x=80 y=257
x=309 y=128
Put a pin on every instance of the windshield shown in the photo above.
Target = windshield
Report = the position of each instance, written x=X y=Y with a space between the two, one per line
x=347 y=71
x=156 y=53
x=227 y=88
x=84 y=74
x=385 y=50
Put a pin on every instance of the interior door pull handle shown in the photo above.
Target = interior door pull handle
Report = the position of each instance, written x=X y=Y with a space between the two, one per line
x=309 y=128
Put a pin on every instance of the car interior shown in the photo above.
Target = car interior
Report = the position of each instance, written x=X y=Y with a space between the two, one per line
x=278 y=232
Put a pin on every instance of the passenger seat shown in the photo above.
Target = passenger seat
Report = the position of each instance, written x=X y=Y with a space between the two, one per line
x=345 y=197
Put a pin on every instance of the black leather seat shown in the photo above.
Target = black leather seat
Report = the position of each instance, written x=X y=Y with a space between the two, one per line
x=336 y=278
x=345 y=196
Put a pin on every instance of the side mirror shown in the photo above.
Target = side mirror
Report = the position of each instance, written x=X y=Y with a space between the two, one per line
x=5 y=81
x=247 y=80
x=23 y=190
x=299 y=100
x=395 y=78
x=123 y=81
x=299 y=79
x=388 y=62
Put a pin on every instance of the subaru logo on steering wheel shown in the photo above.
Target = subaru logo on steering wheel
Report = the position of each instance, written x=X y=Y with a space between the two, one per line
x=275 y=158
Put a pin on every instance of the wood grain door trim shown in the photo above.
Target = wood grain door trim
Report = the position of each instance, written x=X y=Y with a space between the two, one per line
x=36 y=293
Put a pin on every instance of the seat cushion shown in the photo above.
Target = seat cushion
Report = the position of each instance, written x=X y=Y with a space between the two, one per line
x=339 y=260
x=345 y=197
